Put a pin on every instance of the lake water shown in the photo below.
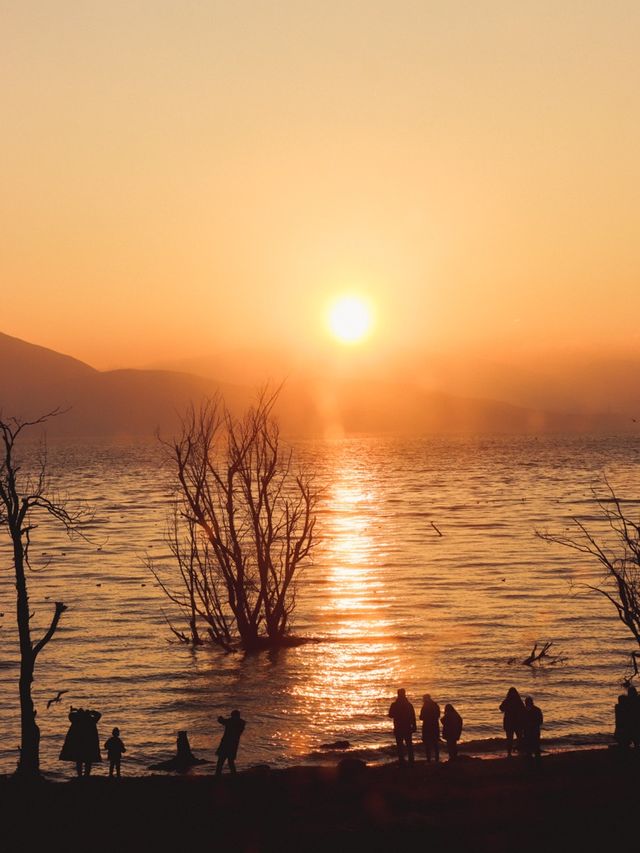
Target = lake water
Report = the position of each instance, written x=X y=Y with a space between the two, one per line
x=396 y=604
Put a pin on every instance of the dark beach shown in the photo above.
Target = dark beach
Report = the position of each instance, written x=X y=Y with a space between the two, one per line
x=582 y=800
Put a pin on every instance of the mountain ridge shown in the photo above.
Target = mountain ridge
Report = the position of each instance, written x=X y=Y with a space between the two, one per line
x=137 y=402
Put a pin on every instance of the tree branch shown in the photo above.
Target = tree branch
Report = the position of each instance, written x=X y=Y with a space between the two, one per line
x=59 y=610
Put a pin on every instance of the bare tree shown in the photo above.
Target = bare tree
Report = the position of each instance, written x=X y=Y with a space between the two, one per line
x=24 y=497
x=199 y=590
x=617 y=550
x=248 y=519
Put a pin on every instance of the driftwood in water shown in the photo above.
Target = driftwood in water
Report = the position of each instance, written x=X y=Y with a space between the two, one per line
x=540 y=656
x=182 y=760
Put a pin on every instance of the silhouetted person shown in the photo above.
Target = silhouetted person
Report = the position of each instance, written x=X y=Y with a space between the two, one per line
x=430 y=716
x=404 y=724
x=228 y=748
x=451 y=730
x=513 y=708
x=115 y=748
x=532 y=720
x=634 y=715
x=82 y=744
x=623 y=715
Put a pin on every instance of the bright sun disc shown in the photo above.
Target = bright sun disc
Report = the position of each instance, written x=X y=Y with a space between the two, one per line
x=350 y=319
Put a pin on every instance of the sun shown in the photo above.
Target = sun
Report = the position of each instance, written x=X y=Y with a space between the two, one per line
x=350 y=319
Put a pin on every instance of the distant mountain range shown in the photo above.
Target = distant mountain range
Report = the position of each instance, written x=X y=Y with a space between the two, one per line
x=34 y=380
x=134 y=403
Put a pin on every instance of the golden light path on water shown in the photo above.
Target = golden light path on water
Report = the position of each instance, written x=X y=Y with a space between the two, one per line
x=362 y=653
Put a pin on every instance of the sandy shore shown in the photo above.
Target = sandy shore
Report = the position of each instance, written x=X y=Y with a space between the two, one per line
x=571 y=801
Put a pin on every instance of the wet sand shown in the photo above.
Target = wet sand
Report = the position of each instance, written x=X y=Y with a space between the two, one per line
x=570 y=801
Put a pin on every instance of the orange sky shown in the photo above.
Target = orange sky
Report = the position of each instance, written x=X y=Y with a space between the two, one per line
x=180 y=177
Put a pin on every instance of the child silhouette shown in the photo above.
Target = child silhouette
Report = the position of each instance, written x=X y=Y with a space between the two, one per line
x=115 y=748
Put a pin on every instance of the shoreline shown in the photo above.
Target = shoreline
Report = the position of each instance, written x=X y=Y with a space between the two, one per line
x=489 y=749
x=585 y=797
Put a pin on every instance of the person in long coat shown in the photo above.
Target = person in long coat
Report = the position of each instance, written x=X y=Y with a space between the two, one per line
x=633 y=705
x=624 y=725
x=82 y=743
x=404 y=724
x=228 y=747
x=451 y=730
x=430 y=716
x=532 y=721
x=512 y=707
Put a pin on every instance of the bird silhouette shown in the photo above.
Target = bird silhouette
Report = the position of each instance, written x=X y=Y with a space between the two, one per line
x=56 y=698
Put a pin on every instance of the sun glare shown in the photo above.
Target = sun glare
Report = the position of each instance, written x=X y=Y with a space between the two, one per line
x=350 y=319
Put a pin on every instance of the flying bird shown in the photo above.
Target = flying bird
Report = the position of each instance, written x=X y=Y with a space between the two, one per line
x=56 y=698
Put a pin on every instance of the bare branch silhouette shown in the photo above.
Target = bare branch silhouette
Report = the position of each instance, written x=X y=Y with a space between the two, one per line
x=618 y=555
x=243 y=527
x=541 y=656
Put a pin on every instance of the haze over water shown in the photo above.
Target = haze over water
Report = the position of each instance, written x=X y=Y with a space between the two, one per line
x=394 y=603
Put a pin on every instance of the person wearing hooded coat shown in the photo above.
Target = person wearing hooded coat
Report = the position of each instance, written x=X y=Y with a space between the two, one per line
x=532 y=720
x=633 y=707
x=624 y=725
x=228 y=747
x=430 y=716
x=82 y=743
x=512 y=707
x=451 y=730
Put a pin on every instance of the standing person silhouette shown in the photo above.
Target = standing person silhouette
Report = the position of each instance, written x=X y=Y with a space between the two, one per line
x=404 y=724
x=532 y=720
x=633 y=707
x=430 y=716
x=228 y=747
x=451 y=730
x=512 y=707
x=624 y=725
x=115 y=747
x=82 y=743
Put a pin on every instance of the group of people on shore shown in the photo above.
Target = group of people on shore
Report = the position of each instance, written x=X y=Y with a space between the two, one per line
x=522 y=722
x=82 y=742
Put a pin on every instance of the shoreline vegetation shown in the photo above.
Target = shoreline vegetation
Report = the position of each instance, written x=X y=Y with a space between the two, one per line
x=570 y=800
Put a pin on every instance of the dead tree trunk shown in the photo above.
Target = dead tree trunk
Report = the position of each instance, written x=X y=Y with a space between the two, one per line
x=21 y=497
x=30 y=746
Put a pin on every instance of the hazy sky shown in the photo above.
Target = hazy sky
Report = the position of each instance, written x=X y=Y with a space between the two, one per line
x=182 y=176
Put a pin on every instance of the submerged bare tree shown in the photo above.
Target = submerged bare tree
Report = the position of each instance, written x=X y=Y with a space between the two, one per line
x=617 y=552
x=200 y=589
x=243 y=529
x=24 y=497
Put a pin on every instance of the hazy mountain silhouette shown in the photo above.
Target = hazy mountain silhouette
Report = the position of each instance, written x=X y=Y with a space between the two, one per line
x=34 y=379
x=574 y=381
x=367 y=406
x=579 y=382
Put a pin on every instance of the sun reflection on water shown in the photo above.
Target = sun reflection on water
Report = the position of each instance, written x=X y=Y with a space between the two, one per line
x=348 y=676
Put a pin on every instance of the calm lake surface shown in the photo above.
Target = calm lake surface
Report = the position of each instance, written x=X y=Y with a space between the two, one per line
x=395 y=603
